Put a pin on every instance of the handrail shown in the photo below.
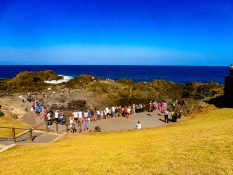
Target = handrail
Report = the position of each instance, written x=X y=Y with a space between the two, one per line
x=7 y=127
x=29 y=130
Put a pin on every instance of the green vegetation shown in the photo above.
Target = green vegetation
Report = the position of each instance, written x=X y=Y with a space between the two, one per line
x=198 y=90
x=1 y=114
x=81 y=81
x=28 y=81
x=202 y=144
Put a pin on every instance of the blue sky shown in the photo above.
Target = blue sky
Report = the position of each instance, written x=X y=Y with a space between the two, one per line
x=132 y=32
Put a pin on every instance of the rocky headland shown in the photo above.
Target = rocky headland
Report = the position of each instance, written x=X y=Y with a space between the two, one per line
x=87 y=91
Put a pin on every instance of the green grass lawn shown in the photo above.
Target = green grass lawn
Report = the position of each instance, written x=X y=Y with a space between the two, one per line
x=10 y=122
x=202 y=144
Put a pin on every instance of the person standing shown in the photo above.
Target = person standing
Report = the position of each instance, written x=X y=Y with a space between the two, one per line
x=113 y=111
x=49 y=119
x=61 y=118
x=151 y=108
x=166 y=116
x=80 y=115
x=85 y=122
x=98 y=114
x=133 y=109
x=75 y=114
x=89 y=116
x=56 y=116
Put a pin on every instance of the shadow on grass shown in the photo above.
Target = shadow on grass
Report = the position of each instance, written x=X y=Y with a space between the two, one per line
x=220 y=102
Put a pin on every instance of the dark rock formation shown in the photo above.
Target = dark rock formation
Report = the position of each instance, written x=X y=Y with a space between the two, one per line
x=228 y=93
x=77 y=105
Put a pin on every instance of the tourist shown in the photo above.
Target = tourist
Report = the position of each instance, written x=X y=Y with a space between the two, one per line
x=140 y=108
x=125 y=112
x=117 y=112
x=98 y=114
x=44 y=113
x=49 y=119
x=136 y=108
x=155 y=105
x=85 y=122
x=92 y=115
x=150 y=108
x=61 y=118
x=56 y=116
x=165 y=106
x=120 y=111
x=128 y=111
x=102 y=114
x=139 y=126
x=80 y=115
x=113 y=111
x=133 y=109
x=29 y=97
x=41 y=109
x=166 y=116
x=162 y=107
x=79 y=123
x=89 y=116
x=75 y=114
x=36 y=105
x=73 y=127
x=106 y=111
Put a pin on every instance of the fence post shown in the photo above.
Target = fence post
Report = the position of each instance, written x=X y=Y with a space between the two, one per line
x=31 y=134
x=13 y=134
x=46 y=125
x=56 y=126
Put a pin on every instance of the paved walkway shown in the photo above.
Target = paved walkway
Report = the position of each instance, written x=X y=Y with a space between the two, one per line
x=106 y=125
x=120 y=124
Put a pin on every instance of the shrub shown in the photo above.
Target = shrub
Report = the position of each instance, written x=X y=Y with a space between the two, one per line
x=1 y=114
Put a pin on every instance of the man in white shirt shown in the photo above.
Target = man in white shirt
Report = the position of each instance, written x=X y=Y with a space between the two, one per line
x=56 y=116
x=80 y=115
x=75 y=114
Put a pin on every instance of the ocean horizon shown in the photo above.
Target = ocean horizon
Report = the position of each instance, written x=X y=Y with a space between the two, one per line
x=137 y=73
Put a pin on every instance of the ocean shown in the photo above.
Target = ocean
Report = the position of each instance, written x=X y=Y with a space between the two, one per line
x=178 y=74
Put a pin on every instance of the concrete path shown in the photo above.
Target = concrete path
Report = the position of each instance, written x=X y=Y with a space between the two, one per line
x=120 y=124
x=106 y=125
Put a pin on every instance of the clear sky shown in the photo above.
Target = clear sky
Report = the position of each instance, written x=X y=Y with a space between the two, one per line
x=116 y=32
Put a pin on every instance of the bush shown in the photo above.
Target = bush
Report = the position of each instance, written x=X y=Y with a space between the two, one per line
x=1 y=114
x=97 y=129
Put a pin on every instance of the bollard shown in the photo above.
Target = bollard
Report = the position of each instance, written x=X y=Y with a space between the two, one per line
x=46 y=125
x=56 y=126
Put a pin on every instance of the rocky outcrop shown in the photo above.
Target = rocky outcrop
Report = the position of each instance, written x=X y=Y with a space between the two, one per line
x=228 y=92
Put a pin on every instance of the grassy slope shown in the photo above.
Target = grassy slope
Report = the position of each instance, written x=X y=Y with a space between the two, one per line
x=200 y=145
x=10 y=122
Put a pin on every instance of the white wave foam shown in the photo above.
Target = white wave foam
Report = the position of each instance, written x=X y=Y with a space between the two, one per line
x=65 y=79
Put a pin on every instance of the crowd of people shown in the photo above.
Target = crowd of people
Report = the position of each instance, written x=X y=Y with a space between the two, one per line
x=81 y=119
